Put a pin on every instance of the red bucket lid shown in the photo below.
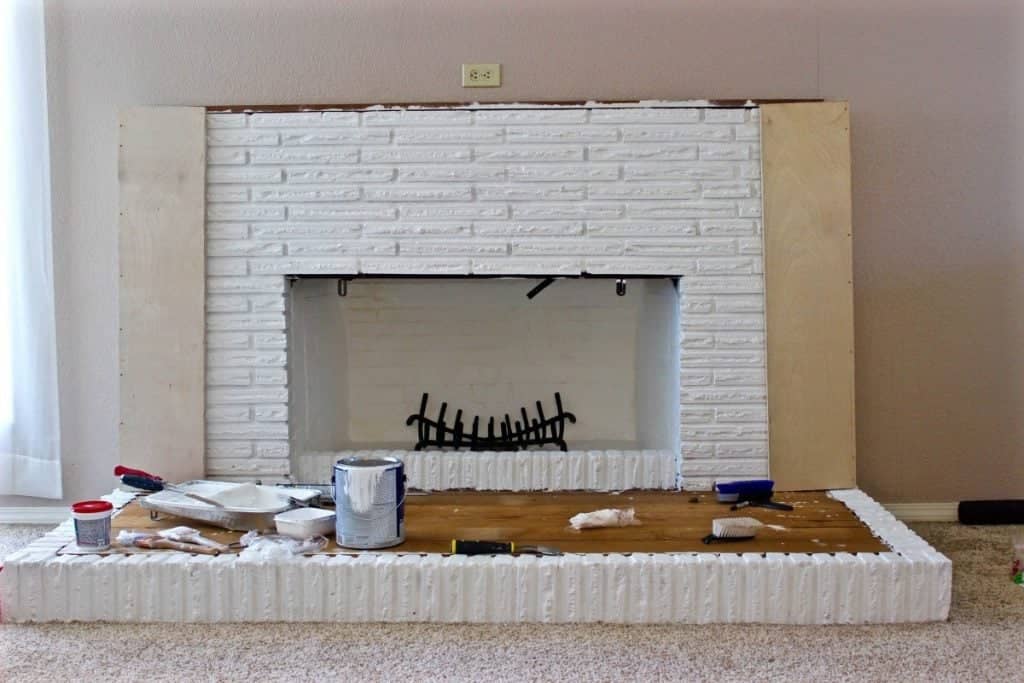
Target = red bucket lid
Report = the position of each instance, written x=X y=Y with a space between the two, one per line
x=87 y=506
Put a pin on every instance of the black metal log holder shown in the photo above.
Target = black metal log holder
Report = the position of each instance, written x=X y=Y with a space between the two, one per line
x=511 y=435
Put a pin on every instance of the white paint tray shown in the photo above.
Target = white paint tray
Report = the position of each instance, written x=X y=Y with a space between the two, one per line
x=260 y=518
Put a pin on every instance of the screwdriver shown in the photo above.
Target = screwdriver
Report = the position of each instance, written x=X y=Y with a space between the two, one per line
x=461 y=547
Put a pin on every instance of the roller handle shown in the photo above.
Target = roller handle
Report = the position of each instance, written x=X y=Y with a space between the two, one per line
x=144 y=483
x=157 y=543
x=460 y=547
x=121 y=469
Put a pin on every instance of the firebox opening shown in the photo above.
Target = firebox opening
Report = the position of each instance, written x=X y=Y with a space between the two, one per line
x=359 y=363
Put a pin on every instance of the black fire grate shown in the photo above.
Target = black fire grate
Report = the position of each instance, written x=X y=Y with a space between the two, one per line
x=511 y=436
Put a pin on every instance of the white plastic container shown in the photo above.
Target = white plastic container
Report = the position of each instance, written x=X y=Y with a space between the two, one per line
x=92 y=524
x=305 y=523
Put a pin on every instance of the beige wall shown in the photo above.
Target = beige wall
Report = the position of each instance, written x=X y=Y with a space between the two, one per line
x=936 y=90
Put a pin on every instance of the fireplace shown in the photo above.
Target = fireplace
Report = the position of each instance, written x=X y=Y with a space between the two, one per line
x=435 y=224
x=415 y=208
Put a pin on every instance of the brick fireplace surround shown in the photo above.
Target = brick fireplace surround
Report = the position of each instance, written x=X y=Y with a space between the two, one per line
x=490 y=192
x=670 y=189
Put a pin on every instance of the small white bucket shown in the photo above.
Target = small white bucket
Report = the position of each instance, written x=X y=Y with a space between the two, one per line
x=369 y=499
x=92 y=524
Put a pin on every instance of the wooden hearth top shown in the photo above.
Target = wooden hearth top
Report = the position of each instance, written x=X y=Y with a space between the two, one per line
x=670 y=522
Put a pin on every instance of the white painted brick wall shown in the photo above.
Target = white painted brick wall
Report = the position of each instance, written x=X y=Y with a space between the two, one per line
x=493 y=191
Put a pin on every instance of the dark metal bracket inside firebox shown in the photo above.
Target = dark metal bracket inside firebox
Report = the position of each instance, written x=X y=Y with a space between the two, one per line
x=621 y=281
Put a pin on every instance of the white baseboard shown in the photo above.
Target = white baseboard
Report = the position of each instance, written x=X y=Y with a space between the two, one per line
x=34 y=515
x=923 y=512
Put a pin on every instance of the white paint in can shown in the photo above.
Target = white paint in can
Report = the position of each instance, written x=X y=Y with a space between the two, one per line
x=369 y=496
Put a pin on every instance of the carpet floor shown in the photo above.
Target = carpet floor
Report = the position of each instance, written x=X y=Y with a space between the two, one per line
x=983 y=640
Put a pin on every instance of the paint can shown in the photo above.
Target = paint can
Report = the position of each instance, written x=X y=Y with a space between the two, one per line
x=369 y=498
x=92 y=524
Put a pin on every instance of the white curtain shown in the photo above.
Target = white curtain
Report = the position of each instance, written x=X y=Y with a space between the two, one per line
x=29 y=413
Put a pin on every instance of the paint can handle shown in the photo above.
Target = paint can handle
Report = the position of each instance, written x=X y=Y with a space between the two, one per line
x=382 y=515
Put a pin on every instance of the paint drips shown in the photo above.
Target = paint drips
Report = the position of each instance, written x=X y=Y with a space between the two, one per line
x=361 y=484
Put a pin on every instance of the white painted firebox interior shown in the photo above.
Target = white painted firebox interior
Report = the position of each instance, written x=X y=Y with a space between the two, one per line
x=360 y=363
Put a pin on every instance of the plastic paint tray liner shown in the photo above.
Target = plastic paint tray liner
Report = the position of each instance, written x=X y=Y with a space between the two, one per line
x=251 y=498
x=256 y=512
x=235 y=497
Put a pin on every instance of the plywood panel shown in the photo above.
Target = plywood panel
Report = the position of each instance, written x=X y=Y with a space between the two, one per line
x=809 y=294
x=669 y=522
x=162 y=175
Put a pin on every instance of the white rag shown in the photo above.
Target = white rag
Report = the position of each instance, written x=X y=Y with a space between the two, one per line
x=608 y=517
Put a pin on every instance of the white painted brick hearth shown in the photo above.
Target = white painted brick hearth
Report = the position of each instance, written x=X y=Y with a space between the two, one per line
x=668 y=190
x=909 y=583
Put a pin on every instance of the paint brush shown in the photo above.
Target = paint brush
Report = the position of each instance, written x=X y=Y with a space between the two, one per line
x=726 y=529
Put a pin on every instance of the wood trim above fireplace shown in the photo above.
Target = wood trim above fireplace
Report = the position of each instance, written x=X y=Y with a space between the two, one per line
x=476 y=104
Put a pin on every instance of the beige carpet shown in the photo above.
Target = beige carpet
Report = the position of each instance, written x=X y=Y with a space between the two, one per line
x=984 y=640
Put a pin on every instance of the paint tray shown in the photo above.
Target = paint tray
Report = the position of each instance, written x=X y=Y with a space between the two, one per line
x=236 y=519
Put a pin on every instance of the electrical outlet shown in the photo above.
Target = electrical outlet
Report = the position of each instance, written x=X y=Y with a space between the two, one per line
x=481 y=75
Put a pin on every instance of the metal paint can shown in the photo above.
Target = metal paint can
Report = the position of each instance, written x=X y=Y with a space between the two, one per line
x=369 y=498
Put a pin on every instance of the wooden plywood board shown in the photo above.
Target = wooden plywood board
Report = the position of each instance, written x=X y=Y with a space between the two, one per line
x=162 y=176
x=670 y=522
x=809 y=294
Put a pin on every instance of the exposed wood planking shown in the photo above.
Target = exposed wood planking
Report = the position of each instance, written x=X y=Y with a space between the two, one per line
x=669 y=523
x=162 y=176
x=809 y=294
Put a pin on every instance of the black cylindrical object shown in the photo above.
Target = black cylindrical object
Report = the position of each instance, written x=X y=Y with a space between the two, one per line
x=460 y=547
x=991 y=512
x=144 y=483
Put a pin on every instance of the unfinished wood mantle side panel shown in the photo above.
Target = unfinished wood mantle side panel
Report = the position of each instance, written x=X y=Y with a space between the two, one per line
x=162 y=176
x=809 y=294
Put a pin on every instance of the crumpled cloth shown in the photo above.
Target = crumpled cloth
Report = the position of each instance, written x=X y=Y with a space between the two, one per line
x=274 y=546
x=600 y=518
